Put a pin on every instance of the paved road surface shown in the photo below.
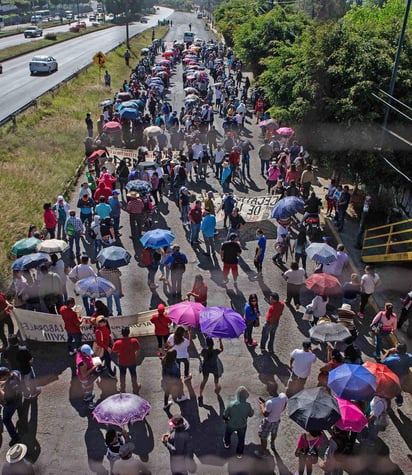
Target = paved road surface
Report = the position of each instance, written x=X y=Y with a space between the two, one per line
x=70 y=442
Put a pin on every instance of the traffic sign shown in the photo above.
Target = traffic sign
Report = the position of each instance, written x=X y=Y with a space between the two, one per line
x=99 y=58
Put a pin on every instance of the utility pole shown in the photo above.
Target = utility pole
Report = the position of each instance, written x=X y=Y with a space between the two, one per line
x=127 y=23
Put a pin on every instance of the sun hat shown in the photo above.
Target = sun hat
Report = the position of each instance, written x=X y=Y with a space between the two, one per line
x=16 y=453
x=346 y=309
x=133 y=194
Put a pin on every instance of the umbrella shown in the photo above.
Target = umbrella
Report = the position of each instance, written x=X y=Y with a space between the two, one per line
x=285 y=131
x=287 y=207
x=112 y=126
x=157 y=238
x=329 y=332
x=126 y=104
x=53 y=246
x=140 y=186
x=185 y=313
x=314 y=409
x=352 y=382
x=113 y=257
x=30 y=261
x=144 y=51
x=192 y=96
x=94 y=287
x=122 y=409
x=152 y=130
x=106 y=103
x=352 y=418
x=321 y=252
x=164 y=62
x=129 y=113
x=123 y=96
x=388 y=384
x=323 y=284
x=221 y=322
x=167 y=54
x=268 y=123
x=25 y=246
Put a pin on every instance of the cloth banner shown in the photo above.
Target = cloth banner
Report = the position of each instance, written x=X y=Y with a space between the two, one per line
x=129 y=155
x=252 y=208
x=48 y=327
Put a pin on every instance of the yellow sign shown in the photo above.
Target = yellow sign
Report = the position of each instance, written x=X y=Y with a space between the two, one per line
x=99 y=58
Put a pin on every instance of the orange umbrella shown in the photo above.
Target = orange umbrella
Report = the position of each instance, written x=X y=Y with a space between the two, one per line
x=388 y=384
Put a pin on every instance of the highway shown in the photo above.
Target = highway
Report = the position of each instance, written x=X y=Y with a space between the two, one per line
x=19 y=88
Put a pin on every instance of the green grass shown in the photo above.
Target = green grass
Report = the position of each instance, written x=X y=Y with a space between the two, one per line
x=23 y=48
x=41 y=152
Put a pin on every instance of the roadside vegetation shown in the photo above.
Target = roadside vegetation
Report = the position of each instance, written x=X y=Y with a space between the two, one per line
x=319 y=75
x=43 y=149
x=49 y=39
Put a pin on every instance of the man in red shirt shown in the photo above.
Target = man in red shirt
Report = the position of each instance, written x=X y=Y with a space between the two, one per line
x=272 y=321
x=72 y=323
x=135 y=208
x=195 y=219
x=162 y=324
x=128 y=350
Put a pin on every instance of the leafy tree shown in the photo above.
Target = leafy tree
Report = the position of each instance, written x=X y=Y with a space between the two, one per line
x=229 y=16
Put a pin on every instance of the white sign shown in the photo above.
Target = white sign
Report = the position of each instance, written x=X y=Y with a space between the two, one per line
x=118 y=154
x=40 y=326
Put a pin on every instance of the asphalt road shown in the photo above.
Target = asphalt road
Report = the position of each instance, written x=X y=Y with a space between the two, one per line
x=19 y=88
x=69 y=441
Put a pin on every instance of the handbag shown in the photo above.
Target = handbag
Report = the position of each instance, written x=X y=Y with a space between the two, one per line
x=377 y=327
x=308 y=315
x=256 y=322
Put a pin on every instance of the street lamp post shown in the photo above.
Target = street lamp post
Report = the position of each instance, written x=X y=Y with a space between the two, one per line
x=127 y=23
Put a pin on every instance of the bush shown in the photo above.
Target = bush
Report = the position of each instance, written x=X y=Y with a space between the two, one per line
x=51 y=36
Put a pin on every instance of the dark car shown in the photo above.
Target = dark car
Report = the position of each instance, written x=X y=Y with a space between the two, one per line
x=143 y=19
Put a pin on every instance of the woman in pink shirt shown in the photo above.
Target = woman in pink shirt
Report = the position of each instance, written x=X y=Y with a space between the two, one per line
x=273 y=175
x=292 y=174
x=307 y=450
x=50 y=220
x=384 y=323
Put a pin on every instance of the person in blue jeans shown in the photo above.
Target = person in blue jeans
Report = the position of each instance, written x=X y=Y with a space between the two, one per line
x=236 y=414
x=10 y=383
x=275 y=311
x=195 y=218
x=251 y=315
x=208 y=228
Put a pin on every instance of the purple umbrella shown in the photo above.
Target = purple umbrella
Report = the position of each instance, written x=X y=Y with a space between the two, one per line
x=221 y=322
x=185 y=313
x=122 y=408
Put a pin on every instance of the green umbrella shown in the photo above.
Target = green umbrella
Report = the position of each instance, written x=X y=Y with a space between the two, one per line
x=25 y=246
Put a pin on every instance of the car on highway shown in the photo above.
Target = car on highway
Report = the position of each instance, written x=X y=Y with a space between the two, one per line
x=199 y=16
x=92 y=17
x=43 y=64
x=32 y=32
x=143 y=19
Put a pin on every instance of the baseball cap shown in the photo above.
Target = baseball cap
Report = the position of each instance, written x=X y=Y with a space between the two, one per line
x=115 y=192
x=87 y=350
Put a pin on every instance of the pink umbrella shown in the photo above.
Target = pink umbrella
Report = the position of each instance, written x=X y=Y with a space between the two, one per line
x=285 y=131
x=122 y=409
x=112 y=126
x=185 y=313
x=352 y=418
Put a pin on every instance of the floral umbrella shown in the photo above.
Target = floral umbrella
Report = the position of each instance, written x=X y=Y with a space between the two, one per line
x=122 y=409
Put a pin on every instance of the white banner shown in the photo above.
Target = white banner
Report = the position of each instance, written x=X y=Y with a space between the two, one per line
x=252 y=209
x=40 y=326
x=118 y=154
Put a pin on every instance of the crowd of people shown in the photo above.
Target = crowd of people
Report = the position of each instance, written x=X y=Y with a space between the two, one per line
x=187 y=148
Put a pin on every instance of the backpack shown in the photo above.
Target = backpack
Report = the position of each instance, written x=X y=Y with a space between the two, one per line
x=178 y=263
x=146 y=258
x=70 y=229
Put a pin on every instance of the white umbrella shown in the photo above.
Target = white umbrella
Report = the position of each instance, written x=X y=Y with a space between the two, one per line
x=152 y=130
x=52 y=246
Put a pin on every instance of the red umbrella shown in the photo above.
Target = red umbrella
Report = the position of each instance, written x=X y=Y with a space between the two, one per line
x=388 y=384
x=112 y=126
x=167 y=54
x=323 y=284
x=285 y=131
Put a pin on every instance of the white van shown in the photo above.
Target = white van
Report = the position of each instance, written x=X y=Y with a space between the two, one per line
x=36 y=19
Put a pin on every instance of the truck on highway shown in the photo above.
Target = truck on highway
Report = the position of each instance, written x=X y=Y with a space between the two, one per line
x=188 y=37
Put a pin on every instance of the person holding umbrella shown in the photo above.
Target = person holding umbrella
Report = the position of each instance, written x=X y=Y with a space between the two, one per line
x=85 y=370
x=210 y=365
x=113 y=275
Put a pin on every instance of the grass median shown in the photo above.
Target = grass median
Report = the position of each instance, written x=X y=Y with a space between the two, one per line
x=43 y=148
x=23 y=48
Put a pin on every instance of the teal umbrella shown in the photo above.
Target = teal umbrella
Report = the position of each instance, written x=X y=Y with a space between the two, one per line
x=25 y=246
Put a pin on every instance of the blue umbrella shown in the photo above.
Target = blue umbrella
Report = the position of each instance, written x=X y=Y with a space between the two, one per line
x=106 y=103
x=321 y=252
x=133 y=103
x=94 y=287
x=129 y=113
x=30 y=261
x=157 y=238
x=113 y=257
x=140 y=186
x=352 y=382
x=287 y=207
x=221 y=322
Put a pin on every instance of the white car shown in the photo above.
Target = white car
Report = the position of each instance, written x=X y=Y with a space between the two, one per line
x=43 y=64
x=32 y=32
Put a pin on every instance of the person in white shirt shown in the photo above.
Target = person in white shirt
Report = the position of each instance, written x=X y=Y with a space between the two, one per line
x=295 y=278
x=369 y=282
x=271 y=411
x=318 y=306
x=79 y=272
x=180 y=344
x=219 y=156
x=336 y=267
x=301 y=361
x=378 y=407
x=197 y=149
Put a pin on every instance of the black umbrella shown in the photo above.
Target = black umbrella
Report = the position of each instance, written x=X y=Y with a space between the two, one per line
x=314 y=409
